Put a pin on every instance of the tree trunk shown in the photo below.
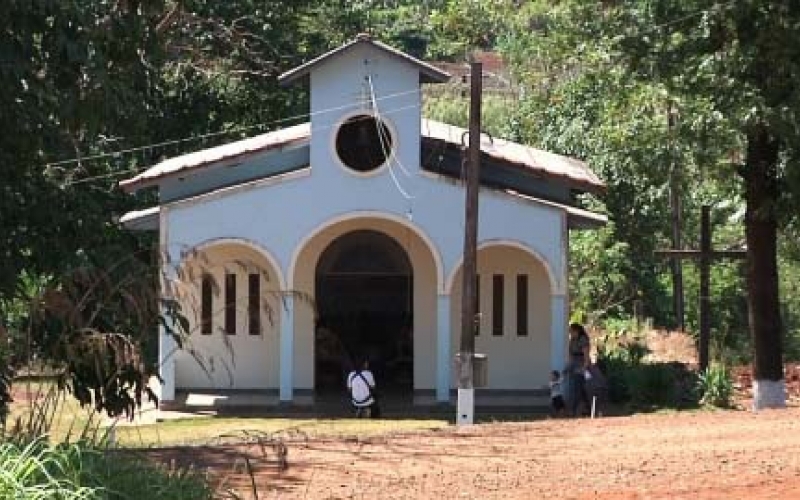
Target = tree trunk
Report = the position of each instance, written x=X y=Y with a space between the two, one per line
x=761 y=228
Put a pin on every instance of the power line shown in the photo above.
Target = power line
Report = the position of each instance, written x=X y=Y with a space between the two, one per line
x=139 y=170
x=116 y=154
x=152 y=146
x=390 y=154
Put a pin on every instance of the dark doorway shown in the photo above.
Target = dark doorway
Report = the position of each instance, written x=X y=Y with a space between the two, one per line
x=364 y=299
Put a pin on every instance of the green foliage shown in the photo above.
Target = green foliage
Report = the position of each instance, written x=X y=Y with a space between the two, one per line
x=38 y=470
x=619 y=355
x=461 y=26
x=621 y=342
x=631 y=380
x=86 y=78
x=730 y=338
x=715 y=386
x=444 y=103
x=790 y=295
x=652 y=384
x=6 y=379
x=647 y=385
x=600 y=83
x=616 y=371
x=599 y=285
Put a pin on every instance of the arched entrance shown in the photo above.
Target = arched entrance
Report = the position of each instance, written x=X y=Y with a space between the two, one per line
x=364 y=295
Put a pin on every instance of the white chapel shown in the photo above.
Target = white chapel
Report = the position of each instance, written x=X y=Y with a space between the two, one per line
x=296 y=252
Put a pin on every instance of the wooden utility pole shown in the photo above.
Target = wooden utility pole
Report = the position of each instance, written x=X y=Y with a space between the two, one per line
x=677 y=221
x=706 y=255
x=466 y=392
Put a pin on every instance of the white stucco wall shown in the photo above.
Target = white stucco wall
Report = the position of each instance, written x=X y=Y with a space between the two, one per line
x=515 y=362
x=220 y=360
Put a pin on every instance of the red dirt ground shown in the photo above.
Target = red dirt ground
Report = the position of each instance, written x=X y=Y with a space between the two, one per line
x=693 y=455
x=697 y=455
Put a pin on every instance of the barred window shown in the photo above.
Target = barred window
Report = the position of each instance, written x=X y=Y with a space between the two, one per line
x=230 y=304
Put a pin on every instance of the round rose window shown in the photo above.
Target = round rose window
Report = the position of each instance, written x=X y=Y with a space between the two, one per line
x=363 y=143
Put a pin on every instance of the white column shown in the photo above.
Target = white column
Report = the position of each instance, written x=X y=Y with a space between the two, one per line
x=558 y=331
x=166 y=365
x=166 y=344
x=443 y=351
x=287 y=349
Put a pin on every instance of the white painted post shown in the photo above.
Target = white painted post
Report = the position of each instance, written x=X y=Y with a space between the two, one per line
x=558 y=331
x=166 y=344
x=465 y=407
x=287 y=350
x=166 y=366
x=443 y=349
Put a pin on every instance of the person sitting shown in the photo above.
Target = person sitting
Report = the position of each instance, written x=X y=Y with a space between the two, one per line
x=361 y=384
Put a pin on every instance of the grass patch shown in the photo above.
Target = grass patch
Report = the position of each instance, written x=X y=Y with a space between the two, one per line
x=67 y=421
x=202 y=430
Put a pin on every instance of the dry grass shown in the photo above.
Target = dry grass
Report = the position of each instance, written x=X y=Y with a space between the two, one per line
x=68 y=420
x=668 y=346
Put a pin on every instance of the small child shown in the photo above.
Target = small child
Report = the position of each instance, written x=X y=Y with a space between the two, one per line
x=557 y=405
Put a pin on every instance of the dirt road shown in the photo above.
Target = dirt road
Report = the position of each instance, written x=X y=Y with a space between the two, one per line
x=702 y=455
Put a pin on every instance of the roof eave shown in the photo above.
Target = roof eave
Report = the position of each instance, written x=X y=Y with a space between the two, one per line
x=134 y=184
x=584 y=186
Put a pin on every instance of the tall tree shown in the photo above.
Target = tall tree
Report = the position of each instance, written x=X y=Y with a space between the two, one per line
x=738 y=64
x=84 y=81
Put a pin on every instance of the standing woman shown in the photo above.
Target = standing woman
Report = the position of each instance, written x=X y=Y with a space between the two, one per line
x=579 y=361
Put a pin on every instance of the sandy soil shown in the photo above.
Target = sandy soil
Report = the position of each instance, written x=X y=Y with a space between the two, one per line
x=700 y=455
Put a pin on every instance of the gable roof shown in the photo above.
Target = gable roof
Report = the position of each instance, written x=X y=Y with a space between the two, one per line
x=427 y=72
x=550 y=165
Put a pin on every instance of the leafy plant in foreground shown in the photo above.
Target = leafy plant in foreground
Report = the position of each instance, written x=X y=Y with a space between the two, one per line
x=39 y=470
x=715 y=386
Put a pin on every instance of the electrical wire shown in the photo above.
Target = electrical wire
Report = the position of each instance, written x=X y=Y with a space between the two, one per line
x=381 y=138
x=173 y=142
x=140 y=170
x=152 y=146
x=389 y=155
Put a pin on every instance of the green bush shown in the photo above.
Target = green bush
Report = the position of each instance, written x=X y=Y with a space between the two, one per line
x=619 y=357
x=615 y=369
x=652 y=385
x=715 y=386
x=6 y=379
x=38 y=470
x=646 y=384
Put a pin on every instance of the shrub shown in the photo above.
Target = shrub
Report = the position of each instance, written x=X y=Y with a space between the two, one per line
x=652 y=385
x=6 y=379
x=618 y=357
x=715 y=386
x=615 y=369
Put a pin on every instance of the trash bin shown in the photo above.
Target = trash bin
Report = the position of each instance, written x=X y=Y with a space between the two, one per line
x=480 y=369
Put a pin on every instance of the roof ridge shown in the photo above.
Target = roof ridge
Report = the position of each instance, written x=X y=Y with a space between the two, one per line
x=428 y=72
